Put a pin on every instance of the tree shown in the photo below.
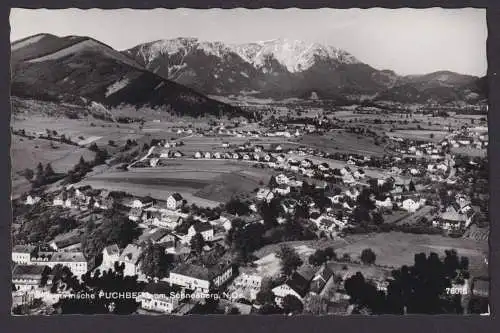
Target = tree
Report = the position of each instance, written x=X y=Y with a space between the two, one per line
x=111 y=143
x=318 y=258
x=237 y=207
x=289 y=258
x=377 y=218
x=368 y=256
x=272 y=182
x=197 y=243
x=292 y=304
x=154 y=261
x=100 y=156
x=28 y=174
x=39 y=170
x=411 y=186
x=265 y=296
x=49 y=172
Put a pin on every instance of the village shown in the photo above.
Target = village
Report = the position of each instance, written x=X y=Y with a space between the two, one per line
x=317 y=201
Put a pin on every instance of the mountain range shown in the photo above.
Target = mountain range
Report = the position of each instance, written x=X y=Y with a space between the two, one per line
x=291 y=68
x=178 y=73
x=66 y=69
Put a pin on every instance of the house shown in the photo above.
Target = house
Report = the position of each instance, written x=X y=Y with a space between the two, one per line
x=348 y=178
x=296 y=285
x=68 y=203
x=321 y=280
x=110 y=255
x=225 y=144
x=323 y=166
x=174 y=201
x=201 y=278
x=205 y=229
x=217 y=155
x=27 y=277
x=387 y=203
x=352 y=193
x=156 y=236
x=197 y=154
x=156 y=297
x=130 y=257
x=70 y=243
x=411 y=205
x=135 y=214
x=236 y=156
x=207 y=155
x=282 y=179
x=31 y=200
x=153 y=162
x=280 y=158
x=264 y=194
x=21 y=254
x=246 y=157
x=282 y=189
x=306 y=163
x=75 y=261
x=58 y=201
x=288 y=206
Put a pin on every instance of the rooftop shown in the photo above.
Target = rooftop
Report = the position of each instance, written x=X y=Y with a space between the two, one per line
x=68 y=257
x=23 y=248
x=27 y=270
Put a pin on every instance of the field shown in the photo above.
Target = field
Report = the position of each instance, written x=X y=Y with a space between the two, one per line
x=470 y=151
x=424 y=135
x=205 y=182
x=340 y=141
x=395 y=249
x=27 y=153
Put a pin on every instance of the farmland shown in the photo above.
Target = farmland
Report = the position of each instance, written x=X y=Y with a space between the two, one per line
x=422 y=135
x=208 y=182
x=343 y=142
x=395 y=249
x=27 y=153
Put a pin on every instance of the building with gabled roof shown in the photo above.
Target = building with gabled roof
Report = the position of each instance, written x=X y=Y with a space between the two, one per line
x=130 y=257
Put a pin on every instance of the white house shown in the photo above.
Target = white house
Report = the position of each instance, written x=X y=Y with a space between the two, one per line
x=27 y=277
x=296 y=286
x=156 y=297
x=205 y=229
x=207 y=155
x=411 y=205
x=200 y=278
x=130 y=257
x=282 y=179
x=21 y=254
x=264 y=194
x=387 y=203
x=75 y=261
x=197 y=154
x=352 y=193
x=282 y=189
x=58 y=201
x=174 y=201
x=110 y=255
x=31 y=200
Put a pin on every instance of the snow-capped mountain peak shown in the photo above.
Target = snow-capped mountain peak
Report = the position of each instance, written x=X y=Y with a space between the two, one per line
x=295 y=55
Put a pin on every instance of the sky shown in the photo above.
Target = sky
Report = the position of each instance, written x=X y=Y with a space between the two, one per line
x=407 y=41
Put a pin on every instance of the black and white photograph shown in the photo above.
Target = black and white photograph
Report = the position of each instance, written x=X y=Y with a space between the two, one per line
x=325 y=162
